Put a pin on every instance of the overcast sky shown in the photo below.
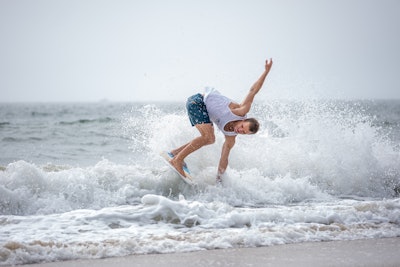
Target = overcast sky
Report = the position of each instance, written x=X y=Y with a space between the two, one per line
x=163 y=50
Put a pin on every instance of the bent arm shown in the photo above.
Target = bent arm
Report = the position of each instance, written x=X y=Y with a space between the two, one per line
x=245 y=106
x=226 y=149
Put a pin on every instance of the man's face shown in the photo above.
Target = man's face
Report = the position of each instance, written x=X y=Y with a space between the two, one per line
x=242 y=127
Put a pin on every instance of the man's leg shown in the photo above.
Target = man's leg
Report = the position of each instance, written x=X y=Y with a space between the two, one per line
x=179 y=149
x=206 y=137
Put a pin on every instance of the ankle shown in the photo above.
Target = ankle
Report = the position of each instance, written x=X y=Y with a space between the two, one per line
x=177 y=159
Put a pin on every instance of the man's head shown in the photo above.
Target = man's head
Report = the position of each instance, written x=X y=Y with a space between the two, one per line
x=247 y=126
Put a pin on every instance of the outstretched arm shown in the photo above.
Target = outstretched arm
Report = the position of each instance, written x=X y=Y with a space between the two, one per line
x=245 y=106
x=226 y=149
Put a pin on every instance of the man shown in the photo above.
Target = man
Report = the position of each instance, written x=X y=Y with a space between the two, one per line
x=230 y=117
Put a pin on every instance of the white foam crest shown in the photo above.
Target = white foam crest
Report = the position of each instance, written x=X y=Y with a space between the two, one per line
x=256 y=189
x=28 y=189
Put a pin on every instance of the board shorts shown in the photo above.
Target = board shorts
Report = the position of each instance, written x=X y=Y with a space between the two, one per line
x=197 y=110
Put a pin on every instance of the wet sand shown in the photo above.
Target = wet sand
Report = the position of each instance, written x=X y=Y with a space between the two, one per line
x=366 y=252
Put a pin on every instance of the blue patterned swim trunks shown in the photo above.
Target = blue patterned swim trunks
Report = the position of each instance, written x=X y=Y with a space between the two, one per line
x=197 y=110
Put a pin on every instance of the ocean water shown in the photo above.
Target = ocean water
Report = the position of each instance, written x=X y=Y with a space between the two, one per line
x=85 y=180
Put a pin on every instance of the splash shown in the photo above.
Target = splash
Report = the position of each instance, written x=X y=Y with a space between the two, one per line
x=336 y=146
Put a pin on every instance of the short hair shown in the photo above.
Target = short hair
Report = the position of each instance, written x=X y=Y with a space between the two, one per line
x=254 y=125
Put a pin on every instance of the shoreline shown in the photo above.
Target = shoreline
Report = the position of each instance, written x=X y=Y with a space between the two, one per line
x=362 y=252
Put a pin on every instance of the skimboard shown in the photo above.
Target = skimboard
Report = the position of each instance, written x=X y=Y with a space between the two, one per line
x=187 y=178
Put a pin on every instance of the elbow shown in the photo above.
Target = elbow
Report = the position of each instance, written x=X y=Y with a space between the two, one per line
x=246 y=110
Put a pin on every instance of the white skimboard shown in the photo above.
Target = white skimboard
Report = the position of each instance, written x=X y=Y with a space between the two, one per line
x=187 y=178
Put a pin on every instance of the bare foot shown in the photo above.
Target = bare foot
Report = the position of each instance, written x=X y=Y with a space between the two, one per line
x=172 y=155
x=178 y=166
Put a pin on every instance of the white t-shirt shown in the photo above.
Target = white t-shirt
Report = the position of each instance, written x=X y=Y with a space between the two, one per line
x=219 y=111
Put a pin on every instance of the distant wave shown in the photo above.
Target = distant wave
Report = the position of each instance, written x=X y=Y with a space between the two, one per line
x=16 y=139
x=10 y=139
x=40 y=114
x=85 y=121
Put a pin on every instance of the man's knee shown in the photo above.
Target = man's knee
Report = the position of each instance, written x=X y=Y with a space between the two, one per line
x=210 y=139
x=207 y=133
